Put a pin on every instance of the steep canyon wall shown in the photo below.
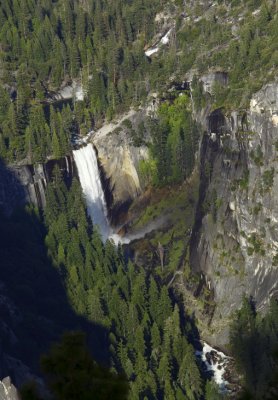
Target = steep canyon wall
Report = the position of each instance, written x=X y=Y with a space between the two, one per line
x=21 y=184
x=234 y=244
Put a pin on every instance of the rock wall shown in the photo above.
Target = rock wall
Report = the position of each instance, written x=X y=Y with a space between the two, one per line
x=8 y=390
x=211 y=78
x=74 y=91
x=234 y=246
x=119 y=154
x=20 y=184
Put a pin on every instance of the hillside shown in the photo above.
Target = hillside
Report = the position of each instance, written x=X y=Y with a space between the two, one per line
x=138 y=178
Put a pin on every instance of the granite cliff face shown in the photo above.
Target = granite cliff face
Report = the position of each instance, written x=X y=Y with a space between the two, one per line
x=21 y=184
x=119 y=152
x=234 y=246
x=7 y=390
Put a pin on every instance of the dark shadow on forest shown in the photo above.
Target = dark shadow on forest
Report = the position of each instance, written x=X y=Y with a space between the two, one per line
x=34 y=308
x=254 y=345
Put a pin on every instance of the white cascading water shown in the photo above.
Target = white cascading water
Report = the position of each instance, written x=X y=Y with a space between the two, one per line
x=217 y=363
x=86 y=162
x=88 y=172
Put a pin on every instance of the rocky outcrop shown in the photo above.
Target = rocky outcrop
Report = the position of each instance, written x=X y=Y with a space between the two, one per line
x=8 y=390
x=119 y=154
x=21 y=184
x=73 y=91
x=234 y=245
x=211 y=78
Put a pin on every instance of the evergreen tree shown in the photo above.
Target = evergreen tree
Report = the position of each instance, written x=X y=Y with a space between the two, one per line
x=71 y=373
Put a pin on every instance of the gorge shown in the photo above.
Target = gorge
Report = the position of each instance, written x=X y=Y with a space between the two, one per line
x=221 y=134
x=90 y=181
x=138 y=200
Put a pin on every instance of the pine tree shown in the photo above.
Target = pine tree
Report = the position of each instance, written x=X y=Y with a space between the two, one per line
x=243 y=337
x=165 y=307
x=189 y=376
x=61 y=254
x=164 y=369
x=139 y=344
x=212 y=391
x=153 y=298
x=155 y=337
x=72 y=373
x=4 y=104
x=57 y=153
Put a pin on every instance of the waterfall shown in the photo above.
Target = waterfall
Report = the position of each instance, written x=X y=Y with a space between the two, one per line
x=88 y=172
x=86 y=162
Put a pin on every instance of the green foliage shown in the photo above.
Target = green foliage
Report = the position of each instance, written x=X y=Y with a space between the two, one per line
x=219 y=93
x=102 y=45
x=197 y=93
x=268 y=178
x=72 y=374
x=254 y=343
x=275 y=260
x=47 y=44
x=127 y=124
x=148 y=171
x=256 y=245
x=257 y=156
x=174 y=142
x=249 y=55
x=148 y=341
x=33 y=287
x=258 y=207
x=212 y=391
x=244 y=181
